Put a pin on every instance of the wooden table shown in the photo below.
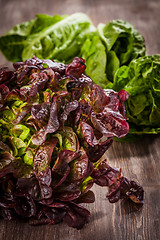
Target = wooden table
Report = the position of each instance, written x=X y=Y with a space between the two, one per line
x=139 y=161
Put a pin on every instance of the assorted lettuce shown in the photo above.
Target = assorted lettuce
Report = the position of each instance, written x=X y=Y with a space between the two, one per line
x=52 y=121
x=108 y=51
x=104 y=48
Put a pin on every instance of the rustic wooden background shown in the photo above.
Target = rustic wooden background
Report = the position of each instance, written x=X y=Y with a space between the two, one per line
x=139 y=161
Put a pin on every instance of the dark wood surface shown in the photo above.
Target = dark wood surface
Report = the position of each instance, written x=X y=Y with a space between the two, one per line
x=139 y=161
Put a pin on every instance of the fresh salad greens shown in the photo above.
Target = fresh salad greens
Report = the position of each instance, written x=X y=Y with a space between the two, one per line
x=52 y=122
x=110 y=52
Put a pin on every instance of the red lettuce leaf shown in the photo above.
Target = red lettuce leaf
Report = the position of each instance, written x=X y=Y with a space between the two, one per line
x=76 y=67
x=38 y=82
x=10 y=164
x=53 y=122
x=119 y=186
x=96 y=152
x=69 y=107
x=40 y=113
x=79 y=167
x=61 y=168
x=41 y=167
x=76 y=216
x=7 y=76
x=88 y=133
x=66 y=192
x=4 y=91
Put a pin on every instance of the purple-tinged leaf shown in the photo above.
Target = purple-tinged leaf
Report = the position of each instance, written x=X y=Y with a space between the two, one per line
x=123 y=96
x=118 y=186
x=76 y=216
x=88 y=133
x=76 y=67
x=51 y=77
x=127 y=189
x=79 y=167
x=34 y=61
x=55 y=66
x=43 y=156
x=49 y=215
x=4 y=147
x=83 y=112
x=22 y=115
x=70 y=139
x=96 y=152
x=40 y=113
x=61 y=169
x=69 y=107
x=39 y=137
x=4 y=91
x=29 y=186
x=25 y=207
x=87 y=197
x=110 y=123
x=41 y=166
x=98 y=99
x=66 y=192
x=13 y=95
x=53 y=123
x=38 y=81
x=9 y=164
x=6 y=76
x=105 y=175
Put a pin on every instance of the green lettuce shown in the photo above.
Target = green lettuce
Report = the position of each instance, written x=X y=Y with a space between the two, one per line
x=123 y=43
x=141 y=79
x=57 y=37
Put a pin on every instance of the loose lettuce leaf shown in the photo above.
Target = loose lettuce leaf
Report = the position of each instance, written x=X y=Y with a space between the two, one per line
x=119 y=186
x=10 y=164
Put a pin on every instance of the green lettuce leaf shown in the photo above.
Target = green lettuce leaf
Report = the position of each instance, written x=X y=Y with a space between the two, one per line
x=94 y=53
x=123 y=43
x=123 y=39
x=61 y=40
x=12 y=43
x=44 y=21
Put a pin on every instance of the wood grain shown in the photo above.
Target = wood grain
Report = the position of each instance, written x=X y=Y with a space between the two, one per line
x=139 y=160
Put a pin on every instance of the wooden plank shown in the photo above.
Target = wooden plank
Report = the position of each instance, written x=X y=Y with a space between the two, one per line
x=139 y=161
